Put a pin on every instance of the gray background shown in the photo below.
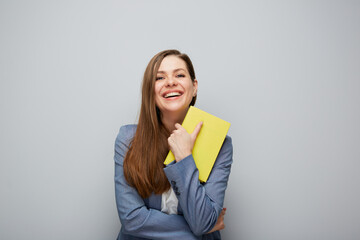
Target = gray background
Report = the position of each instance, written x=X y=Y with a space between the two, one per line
x=286 y=74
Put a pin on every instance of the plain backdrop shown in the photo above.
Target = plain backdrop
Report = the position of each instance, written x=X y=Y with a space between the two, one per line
x=286 y=74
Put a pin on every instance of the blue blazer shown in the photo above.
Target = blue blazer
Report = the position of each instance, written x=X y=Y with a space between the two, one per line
x=199 y=203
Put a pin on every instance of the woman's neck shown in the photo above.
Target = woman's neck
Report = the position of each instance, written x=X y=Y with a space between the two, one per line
x=169 y=119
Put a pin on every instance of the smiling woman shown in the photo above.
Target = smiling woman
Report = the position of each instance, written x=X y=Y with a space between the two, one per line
x=174 y=90
x=158 y=202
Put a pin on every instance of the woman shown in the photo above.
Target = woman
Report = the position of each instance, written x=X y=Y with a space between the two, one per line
x=157 y=202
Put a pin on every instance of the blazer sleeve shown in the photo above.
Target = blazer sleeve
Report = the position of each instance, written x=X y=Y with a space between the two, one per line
x=136 y=219
x=201 y=203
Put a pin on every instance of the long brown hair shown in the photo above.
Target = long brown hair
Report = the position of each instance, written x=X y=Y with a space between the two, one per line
x=143 y=163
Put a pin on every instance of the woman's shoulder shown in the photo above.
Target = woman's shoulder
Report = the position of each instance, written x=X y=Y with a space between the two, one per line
x=128 y=130
x=227 y=142
x=225 y=155
x=126 y=134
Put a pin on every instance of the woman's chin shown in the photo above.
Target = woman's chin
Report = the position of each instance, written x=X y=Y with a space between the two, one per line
x=175 y=109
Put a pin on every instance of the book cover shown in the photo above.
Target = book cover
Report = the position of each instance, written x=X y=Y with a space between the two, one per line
x=208 y=141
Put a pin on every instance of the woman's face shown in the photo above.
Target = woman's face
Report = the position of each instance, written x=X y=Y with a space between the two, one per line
x=174 y=88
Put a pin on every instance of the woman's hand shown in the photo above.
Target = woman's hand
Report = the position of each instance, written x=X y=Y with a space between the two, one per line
x=220 y=222
x=181 y=143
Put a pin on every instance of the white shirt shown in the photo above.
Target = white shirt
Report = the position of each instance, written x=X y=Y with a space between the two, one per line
x=169 y=202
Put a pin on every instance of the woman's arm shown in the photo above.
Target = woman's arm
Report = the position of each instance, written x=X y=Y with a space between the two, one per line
x=201 y=204
x=135 y=217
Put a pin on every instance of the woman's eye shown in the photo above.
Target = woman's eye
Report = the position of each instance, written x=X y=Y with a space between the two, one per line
x=181 y=75
x=159 y=78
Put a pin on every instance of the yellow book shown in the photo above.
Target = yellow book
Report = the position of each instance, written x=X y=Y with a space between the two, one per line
x=208 y=141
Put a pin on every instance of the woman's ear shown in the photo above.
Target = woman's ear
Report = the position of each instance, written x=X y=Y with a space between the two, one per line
x=195 y=84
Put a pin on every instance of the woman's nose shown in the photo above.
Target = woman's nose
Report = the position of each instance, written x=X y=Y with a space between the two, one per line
x=171 y=82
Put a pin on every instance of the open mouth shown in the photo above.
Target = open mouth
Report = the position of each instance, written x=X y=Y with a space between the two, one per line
x=172 y=94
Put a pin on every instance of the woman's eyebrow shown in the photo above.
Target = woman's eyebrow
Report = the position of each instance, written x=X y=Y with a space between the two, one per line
x=175 y=70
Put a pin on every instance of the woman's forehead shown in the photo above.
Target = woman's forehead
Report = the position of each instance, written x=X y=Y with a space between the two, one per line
x=171 y=63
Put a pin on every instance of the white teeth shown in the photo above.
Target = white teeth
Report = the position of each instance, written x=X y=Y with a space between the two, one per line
x=172 y=94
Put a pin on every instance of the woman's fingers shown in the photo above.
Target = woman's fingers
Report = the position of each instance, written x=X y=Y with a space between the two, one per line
x=220 y=225
x=221 y=219
x=181 y=142
x=196 y=131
